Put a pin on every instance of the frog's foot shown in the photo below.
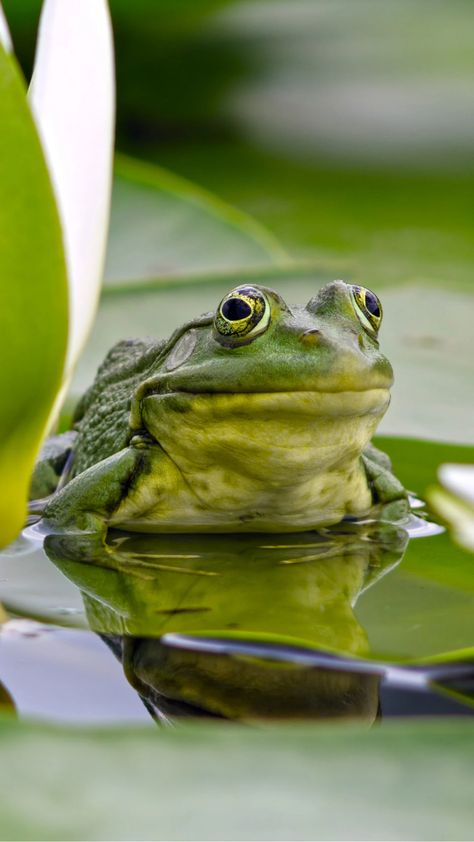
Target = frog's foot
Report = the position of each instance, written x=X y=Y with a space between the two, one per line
x=388 y=493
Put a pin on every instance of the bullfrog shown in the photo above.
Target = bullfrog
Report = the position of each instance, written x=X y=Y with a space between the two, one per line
x=255 y=418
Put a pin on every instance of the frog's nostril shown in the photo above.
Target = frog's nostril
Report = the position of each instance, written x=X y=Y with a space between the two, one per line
x=311 y=337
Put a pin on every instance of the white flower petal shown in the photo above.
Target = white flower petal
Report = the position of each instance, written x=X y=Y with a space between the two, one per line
x=457 y=514
x=459 y=480
x=72 y=94
x=5 y=38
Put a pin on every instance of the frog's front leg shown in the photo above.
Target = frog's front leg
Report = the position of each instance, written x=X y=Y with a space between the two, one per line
x=387 y=490
x=86 y=504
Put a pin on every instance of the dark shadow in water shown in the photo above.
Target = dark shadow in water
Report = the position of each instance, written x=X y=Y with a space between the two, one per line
x=242 y=627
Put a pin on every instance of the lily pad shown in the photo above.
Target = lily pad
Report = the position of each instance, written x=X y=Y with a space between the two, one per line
x=164 y=225
x=407 y=780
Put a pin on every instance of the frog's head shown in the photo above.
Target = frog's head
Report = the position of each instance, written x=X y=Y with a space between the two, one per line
x=258 y=371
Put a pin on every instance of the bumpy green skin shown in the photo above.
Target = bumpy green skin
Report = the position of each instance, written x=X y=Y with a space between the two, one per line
x=200 y=434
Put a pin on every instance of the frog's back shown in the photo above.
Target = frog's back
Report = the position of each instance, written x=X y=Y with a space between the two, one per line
x=102 y=415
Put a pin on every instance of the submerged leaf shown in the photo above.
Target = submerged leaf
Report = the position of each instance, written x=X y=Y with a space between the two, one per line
x=33 y=286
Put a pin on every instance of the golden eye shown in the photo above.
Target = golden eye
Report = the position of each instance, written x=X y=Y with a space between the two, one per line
x=368 y=308
x=243 y=313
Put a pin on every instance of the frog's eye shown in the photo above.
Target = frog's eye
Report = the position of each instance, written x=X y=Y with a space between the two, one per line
x=368 y=308
x=243 y=313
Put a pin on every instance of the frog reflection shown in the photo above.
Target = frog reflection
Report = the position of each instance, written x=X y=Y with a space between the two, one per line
x=161 y=600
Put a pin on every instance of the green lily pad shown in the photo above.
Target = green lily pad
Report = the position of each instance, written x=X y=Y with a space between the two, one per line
x=408 y=780
x=164 y=225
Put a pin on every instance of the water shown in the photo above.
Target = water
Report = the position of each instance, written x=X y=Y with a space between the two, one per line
x=361 y=621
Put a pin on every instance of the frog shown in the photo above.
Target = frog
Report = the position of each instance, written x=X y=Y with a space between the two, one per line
x=257 y=417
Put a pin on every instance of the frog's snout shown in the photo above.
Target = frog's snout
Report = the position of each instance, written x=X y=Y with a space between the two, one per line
x=311 y=338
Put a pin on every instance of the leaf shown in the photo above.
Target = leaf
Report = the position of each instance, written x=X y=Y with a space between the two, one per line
x=33 y=316
x=406 y=780
x=164 y=225
x=385 y=226
x=72 y=95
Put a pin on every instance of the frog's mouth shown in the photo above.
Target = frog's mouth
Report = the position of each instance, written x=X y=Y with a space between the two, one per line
x=250 y=405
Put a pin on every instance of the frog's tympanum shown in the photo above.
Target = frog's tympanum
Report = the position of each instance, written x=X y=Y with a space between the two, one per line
x=255 y=418
x=236 y=626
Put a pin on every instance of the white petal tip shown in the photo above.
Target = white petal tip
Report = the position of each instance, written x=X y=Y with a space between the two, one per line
x=459 y=480
x=5 y=39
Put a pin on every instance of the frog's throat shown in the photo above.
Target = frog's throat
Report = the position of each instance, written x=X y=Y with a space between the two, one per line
x=267 y=434
x=265 y=462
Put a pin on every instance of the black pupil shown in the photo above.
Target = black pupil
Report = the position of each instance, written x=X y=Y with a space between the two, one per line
x=372 y=304
x=235 y=309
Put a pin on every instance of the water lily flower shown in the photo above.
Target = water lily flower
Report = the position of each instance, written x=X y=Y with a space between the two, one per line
x=56 y=152
x=4 y=33
x=72 y=95
x=454 y=501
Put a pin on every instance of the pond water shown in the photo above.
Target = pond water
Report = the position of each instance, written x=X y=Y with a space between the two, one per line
x=366 y=620
x=334 y=625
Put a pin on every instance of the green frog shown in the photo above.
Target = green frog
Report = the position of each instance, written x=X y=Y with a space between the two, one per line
x=255 y=418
